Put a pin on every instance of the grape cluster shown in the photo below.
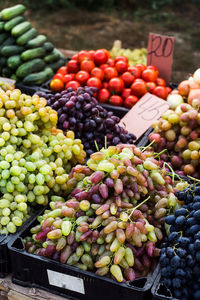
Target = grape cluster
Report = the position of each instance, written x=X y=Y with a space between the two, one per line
x=112 y=220
x=35 y=157
x=79 y=111
x=180 y=255
x=179 y=131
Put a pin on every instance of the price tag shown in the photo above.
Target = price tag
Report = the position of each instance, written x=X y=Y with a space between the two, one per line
x=160 y=53
x=4 y=79
x=147 y=110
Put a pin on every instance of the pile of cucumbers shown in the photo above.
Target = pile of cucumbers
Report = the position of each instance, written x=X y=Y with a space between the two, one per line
x=25 y=55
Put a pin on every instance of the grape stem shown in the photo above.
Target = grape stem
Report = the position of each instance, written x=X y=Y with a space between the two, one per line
x=105 y=141
x=95 y=142
x=133 y=209
x=193 y=178
x=145 y=148
x=173 y=173
x=158 y=154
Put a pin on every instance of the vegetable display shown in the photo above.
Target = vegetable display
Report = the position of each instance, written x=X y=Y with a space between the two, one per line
x=27 y=56
x=118 y=83
x=94 y=125
x=178 y=130
x=35 y=157
x=112 y=219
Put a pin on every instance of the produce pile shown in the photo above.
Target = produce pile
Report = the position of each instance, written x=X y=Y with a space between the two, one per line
x=35 y=157
x=94 y=125
x=136 y=56
x=112 y=220
x=178 y=130
x=180 y=255
x=118 y=83
x=25 y=56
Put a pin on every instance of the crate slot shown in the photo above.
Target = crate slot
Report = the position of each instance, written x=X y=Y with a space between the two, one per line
x=18 y=244
x=140 y=282
x=164 y=291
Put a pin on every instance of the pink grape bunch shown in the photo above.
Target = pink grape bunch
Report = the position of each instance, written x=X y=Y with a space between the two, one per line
x=179 y=132
x=112 y=221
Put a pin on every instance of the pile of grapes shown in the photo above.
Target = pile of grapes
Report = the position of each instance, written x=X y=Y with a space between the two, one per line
x=79 y=111
x=180 y=255
x=111 y=222
x=179 y=131
x=35 y=157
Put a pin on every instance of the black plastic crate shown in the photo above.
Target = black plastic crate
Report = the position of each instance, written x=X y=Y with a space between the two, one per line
x=25 y=89
x=68 y=281
x=5 y=262
x=160 y=291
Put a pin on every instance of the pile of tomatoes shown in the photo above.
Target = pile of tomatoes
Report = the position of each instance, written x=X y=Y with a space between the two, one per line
x=117 y=82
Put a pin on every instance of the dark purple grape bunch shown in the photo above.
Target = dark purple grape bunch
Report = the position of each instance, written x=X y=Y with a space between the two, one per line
x=80 y=111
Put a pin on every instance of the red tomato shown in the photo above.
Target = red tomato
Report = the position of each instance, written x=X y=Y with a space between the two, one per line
x=135 y=72
x=82 y=77
x=121 y=57
x=152 y=67
x=139 y=88
x=105 y=85
x=139 y=80
x=73 y=84
x=116 y=100
x=151 y=86
x=68 y=77
x=103 y=67
x=130 y=101
x=128 y=78
x=94 y=81
x=116 y=85
x=75 y=56
x=59 y=76
x=83 y=55
x=160 y=81
x=56 y=85
x=109 y=73
x=141 y=67
x=161 y=91
x=97 y=72
x=103 y=95
x=121 y=66
x=62 y=70
x=73 y=66
x=87 y=65
x=149 y=75
x=126 y=93
x=111 y=62
x=92 y=52
x=168 y=89
x=100 y=57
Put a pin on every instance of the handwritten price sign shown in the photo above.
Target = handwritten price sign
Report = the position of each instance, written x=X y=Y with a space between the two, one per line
x=160 y=53
x=147 y=110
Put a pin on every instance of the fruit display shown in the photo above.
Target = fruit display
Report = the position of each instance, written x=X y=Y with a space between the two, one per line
x=94 y=125
x=35 y=157
x=111 y=222
x=26 y=56
x=180 y=253
x=178 y=130
x=136 y=56
x=118 y=83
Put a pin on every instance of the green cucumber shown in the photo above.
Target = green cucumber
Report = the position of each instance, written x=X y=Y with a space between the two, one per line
x=9 y=41
x=2 y=26
x=48 y=46
x=52 y=57
x=13 y=22
x=3 y=37
x=14 y=62
x=29 y=67
x=3 y=61
x=6 y=72
x=33 y=53
x=27 y=36
x=38 y=78
x=56 y=65
x=12 y=12
x=20 y=28
x=37 y=42
x=14 y=77
x=11 y=50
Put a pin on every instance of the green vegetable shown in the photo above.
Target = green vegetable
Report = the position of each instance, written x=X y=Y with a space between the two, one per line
x=3 y=61
x=13 y=22
x=9 y=41
x=33 y=53
x=11 y=12
x=52 y=57
x=27 y=36
x=48 y=46
x=37 y=42
x=14 y=62
x=11 y=50
x=1 y=26
x=38 y=78
x=3 y=37
x=20 y=29
x=56 y=65
x=6 y=72
x=29 y=67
